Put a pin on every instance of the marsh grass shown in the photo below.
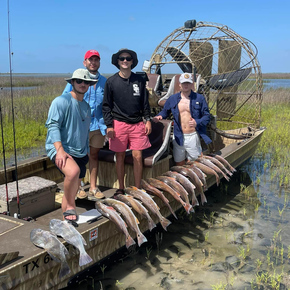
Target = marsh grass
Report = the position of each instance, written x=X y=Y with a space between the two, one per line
x=30 y=110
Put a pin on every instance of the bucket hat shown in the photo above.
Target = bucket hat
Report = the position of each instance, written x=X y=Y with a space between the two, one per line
x=82 y=74
x=116 y=55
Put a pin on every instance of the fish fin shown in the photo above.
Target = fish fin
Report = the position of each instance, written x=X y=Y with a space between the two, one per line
x=129 y=242
x=83 y=240
x=53 y=257
x=64 y=269
x=84 y=259
x=141 y=239
x=203 y=199
x=187 y=207
x=151 y=224
x=137 y=221
x=165 y=223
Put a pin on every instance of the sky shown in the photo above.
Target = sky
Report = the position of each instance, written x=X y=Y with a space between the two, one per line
x=52 y=36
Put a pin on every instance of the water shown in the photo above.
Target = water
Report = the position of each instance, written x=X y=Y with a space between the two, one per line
x=276 y=83
x=237 y=240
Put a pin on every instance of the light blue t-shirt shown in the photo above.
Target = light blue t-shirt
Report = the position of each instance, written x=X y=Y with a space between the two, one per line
x=94 y=97
x=68 y=122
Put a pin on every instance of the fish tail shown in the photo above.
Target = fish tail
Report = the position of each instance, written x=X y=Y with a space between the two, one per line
x=84 y=259
x=217 y=180
x=194 y=201
x=141 y=239
x=129 y=241
x=165 y=223
x=187 y=207
x=64 y=269
x=203 y=198
x=171 y=210
x=151 y=224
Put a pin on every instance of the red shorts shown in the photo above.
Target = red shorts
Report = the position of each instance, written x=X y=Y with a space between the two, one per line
x=129 y=136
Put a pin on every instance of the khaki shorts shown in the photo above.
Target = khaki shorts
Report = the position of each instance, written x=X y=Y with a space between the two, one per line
x=96 y=139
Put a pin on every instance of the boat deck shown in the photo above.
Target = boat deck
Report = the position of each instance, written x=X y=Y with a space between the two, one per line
x=25 y=266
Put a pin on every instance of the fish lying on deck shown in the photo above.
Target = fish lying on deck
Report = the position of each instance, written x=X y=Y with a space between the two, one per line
x=56 y=249
x=189 y=186
x=149 y=203
x=193 y=178
x=201 y=175
x=111 y=214
x=224 y=161
x=128 y=215
x=175 y=185
x=219 y=164
x=138 y=207
x=156 y=192
x=207 y=170
x=212 y=166
x=165 y=187
x=69 y=233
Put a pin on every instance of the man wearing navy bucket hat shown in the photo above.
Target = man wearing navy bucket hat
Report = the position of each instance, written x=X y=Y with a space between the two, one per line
x=126 y=113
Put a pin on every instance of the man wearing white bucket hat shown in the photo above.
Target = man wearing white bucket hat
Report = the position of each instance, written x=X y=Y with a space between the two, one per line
x=67 y=141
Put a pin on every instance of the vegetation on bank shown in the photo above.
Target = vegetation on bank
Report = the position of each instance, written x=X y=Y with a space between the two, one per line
x=31 y=107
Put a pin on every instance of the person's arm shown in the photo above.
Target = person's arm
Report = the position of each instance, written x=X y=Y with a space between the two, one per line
x=205 y=115
x=107 y=106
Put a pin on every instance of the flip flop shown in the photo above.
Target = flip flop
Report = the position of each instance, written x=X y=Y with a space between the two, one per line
x=70 y=212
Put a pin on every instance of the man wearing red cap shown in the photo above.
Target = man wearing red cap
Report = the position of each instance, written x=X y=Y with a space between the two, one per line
x=94 y=97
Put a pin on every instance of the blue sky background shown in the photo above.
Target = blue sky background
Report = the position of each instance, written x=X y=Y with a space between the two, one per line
x=52 y=36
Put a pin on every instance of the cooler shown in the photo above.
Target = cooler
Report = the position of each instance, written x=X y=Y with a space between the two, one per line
x=36 y=194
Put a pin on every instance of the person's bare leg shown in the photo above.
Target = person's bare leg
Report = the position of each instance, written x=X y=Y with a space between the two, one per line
x=70 y=186
x=180 y=163
x=93 y=166
x=138 y=167
x=120 y=167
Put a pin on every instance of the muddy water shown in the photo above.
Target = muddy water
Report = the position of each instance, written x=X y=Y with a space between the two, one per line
x=239 y=240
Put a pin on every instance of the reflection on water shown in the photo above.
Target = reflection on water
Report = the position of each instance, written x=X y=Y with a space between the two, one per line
x=239 y=240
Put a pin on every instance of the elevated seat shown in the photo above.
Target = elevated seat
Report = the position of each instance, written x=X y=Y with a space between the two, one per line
x=155 y=159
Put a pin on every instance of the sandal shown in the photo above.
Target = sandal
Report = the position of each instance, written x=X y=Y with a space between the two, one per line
x=96 y=193
x=81 y=194
x=70 y=212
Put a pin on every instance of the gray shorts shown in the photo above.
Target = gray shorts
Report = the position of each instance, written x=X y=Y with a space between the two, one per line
x=190 y=150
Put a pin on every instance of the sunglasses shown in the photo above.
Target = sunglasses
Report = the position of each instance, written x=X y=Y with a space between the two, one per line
x=128 y=58
x=78 y=81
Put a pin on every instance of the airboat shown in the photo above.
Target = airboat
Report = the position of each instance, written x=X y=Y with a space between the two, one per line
x=226 y=71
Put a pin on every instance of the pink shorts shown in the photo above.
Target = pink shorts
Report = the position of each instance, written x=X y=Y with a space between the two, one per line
x=129 y=136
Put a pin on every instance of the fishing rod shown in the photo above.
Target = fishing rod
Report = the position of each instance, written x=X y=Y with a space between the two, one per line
x=13 y=119
x=4 y=162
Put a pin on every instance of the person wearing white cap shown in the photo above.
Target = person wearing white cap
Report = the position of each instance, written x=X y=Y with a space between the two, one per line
x=67 y=141
x=94 y=97
x=191 y=115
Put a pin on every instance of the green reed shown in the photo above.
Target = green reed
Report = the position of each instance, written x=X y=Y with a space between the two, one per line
x=30 y=108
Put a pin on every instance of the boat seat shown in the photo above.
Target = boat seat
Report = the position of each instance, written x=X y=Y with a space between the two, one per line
x=174 y=88
x=154 y=81
x=159 y=139
x=152 y=86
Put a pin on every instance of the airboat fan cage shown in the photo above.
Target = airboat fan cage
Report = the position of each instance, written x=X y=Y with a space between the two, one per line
x=225 y=66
